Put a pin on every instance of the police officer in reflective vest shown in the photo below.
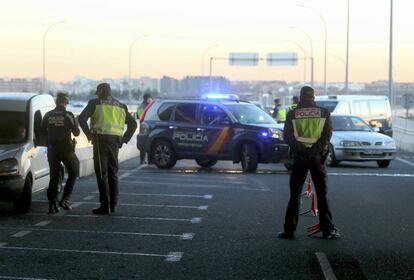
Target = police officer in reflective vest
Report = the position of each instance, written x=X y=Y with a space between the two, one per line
x=295 y=101
x=308 y=130
x=108 y=117
x=58 y=125
x=147 y=99
x=279 y=113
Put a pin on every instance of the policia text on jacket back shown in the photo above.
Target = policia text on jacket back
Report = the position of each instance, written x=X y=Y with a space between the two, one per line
x=58 y=125
x=307 y=131
x=108 y=118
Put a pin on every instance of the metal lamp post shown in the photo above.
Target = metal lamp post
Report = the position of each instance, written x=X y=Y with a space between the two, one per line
x=311 y=50
x=130 y=62
x=203 y=57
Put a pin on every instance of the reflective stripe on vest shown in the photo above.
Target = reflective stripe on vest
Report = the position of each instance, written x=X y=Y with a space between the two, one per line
x=293 y=106
x=308 y=125
x=108 y=120
x=281 y=115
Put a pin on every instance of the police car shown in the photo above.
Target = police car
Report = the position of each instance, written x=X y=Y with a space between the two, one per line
x=215 y=127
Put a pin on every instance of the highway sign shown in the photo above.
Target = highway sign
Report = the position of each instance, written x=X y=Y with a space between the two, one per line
x=281 y=59
x=244 y=59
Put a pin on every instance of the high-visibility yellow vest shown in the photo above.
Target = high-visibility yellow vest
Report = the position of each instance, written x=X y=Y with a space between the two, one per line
x=293 y=106
x=108 y=119
x=281 y=115
x=308 y=125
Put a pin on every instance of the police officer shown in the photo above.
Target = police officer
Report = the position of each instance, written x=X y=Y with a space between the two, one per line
x=279 y=113
x=58 y=125
x=108 y=118
x=295 y=101
x=147 y=99
x=308 y=130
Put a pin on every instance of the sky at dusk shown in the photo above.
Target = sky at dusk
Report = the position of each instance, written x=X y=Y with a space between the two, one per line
x=95 y=38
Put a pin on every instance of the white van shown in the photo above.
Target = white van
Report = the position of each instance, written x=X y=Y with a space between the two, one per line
x=373 y=109
x=24 y=167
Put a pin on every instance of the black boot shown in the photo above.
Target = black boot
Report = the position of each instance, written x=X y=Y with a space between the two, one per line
x=65 y=204
x=53 y=208
x=101 y=211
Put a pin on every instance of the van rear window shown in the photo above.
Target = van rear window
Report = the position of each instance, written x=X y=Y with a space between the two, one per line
x=330 y=105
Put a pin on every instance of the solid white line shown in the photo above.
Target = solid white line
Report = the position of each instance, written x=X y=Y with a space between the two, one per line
x=139 y=167
x=259 y=183
x=372 y=174
x=42 y=223
x=325 y=266
x=202 y=207
x=83 y=251
x=193 y=220
x=124 y=175
x=21 y=233
x=405 y=161
x=184 y=236
x=206 y=196
x=174 y=257
x=22 y=278
x=181 y=178
x=76 y=204
x=89 y=197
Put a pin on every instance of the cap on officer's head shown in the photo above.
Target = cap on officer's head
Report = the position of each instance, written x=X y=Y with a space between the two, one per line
x=307 y=93
x=277 y=100
x=104 y=89
x=62 y=98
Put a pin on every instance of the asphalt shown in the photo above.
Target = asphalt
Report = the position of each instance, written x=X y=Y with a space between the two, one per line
x=219 y=223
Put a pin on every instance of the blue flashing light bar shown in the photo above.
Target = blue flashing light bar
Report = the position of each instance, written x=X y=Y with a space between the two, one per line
x=220 y=96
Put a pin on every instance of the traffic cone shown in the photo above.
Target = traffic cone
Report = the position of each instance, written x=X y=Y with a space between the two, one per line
x=314 y=207
x=309 y=191
x=312 y=230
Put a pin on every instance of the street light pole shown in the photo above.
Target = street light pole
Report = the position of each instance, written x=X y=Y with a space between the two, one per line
x=347 y=52
x=326 y=43
x=130 y=62
x=390 y=78
x=304 y=59
x=203 y=58
x=44 y=52
x=311 y=51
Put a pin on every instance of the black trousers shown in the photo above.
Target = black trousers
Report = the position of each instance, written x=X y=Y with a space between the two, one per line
x=105 y=157
x=55 y=157
x=297 y=179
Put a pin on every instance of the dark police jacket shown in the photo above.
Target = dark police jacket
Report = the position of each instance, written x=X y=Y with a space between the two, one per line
x=292 y=137
x=90 y=109
x=58 y=125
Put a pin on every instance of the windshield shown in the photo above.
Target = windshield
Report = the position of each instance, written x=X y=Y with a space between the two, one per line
x=250 y=114
x=330 y=105
x=13 y=127
x=346 y=123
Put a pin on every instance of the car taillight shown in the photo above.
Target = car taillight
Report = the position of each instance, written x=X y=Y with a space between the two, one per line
x=142 y=117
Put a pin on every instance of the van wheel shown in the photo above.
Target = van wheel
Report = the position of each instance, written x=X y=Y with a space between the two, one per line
x=206 y=163
x=330 y=158
x=249 y=158
x=163 y=155
x=22 y=205
x=383 y=163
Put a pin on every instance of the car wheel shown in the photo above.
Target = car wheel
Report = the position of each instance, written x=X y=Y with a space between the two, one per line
x=206 y=163
x=249 y=158
x=330 y=158
x=22 y=205
x=163 y=155
x=383 y=163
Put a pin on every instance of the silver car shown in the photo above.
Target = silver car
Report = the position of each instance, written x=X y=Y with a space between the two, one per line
x=354 y=140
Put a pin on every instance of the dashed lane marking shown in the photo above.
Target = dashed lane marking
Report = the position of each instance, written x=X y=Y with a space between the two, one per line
x=183 y=236
x=206 y=196
x=173 y=256
x=21 y=233
x=405 y=161
x=194 y=220
x=372 y=175
x=89 y=197
x=325 y=266
x=42 y=223
x=202 y=207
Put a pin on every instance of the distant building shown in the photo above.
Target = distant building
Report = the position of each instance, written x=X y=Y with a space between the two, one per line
x=169 y=86
x=20 y=85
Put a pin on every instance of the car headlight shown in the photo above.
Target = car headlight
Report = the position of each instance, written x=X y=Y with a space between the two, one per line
x=389 y=144
x=347 y=143
x=276 y=133
x=8 y=167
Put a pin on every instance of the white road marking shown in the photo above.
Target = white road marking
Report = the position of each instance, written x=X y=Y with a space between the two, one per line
x=42 y=223
x=22 y=278
x=181 y=178
x=124 y=175
x=89 y=197
x=170 y=255
x=259 y=183
x=325 y=266
x=174 y=257
x=405 y=161
x=372 y=175
x=203 y=207
x=206 y=196
x=140 y=167
x=195 y=220
x=21 y=233
x=184 y=236
x=76 y=204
